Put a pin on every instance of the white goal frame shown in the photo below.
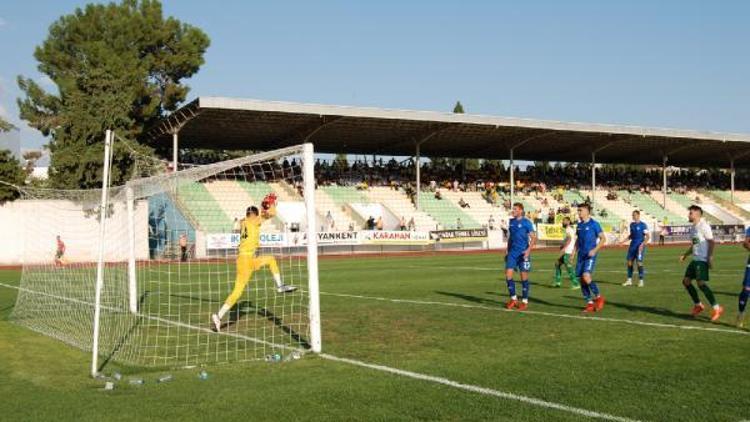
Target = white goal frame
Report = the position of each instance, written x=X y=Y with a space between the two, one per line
x=132 y=187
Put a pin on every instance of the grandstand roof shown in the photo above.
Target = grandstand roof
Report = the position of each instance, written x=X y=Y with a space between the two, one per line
x=232 y=123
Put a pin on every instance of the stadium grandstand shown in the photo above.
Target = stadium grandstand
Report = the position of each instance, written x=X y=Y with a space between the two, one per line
x=396 y=195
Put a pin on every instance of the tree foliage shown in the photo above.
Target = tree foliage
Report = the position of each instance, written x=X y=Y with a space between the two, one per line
x=116 y=66
x=5 y=125
x=10 y=172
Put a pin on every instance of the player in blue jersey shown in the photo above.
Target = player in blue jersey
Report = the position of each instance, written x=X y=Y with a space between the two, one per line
x=521 y=239
x=745 y=293
x=639 y=237
x=590 y=239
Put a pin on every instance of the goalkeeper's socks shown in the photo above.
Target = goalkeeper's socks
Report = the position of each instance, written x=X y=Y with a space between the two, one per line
x=511 y=287
x=594 y=288
x=744 y=295
x=277 y=280
x=525 y=285
x=223 y=311
x=630 y=272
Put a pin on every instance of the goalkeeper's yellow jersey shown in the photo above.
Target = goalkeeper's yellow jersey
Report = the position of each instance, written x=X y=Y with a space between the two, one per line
x=250 y=232
x=250 y=235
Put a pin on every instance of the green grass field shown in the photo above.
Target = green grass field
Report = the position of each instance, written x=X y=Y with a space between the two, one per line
x=642 y=358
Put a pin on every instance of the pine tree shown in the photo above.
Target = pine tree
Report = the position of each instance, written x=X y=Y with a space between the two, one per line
x=10 y=172
x=116 y=66
x=5 y=125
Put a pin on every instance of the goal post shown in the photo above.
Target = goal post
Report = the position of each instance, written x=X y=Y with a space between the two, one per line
x=147 y=264
x=312 y=249
x=100 y=261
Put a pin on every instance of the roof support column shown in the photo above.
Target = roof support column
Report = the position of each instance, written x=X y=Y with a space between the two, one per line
x=593 y=172
x=593 y=180
x=664 y=182
x=175 y=151
x=512 y=179
x=731 y=179
x=419 y=176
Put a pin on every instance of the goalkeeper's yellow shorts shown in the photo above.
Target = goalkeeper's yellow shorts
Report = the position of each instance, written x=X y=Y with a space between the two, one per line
x=246 y=265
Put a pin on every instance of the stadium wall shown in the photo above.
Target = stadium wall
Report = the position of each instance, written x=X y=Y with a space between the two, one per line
x=29 y=228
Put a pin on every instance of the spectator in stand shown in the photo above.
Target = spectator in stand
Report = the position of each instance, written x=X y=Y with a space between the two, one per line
x=504 y=227
x=236 y=225
x=402 y=224
x=455 y=186
x=351 y=226
x=433 y=185
x=459 y=224
x=491 y=223
x=438 y=196
x=463 y=203
x=330 y=224
x=370 y=223
x=412 y=225
x=551 y=216
x=379 y=224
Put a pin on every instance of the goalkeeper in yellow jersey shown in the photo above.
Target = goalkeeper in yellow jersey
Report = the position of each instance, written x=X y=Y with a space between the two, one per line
x=247 y=261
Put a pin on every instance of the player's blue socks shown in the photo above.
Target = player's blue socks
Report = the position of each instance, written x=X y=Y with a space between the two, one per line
x=744 y=295
x=525 y=285
x=586 y=291
x=630 y=272
x=511 y=287
x=594 y=288
x=641 y=271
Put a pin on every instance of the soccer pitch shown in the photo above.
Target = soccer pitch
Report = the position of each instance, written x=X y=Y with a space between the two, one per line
x=427 y=338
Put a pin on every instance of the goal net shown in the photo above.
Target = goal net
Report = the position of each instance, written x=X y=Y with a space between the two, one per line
x=144 y=295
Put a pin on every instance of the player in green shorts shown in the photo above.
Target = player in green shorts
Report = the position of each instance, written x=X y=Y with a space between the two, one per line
x=566 y=251
x=702 y=250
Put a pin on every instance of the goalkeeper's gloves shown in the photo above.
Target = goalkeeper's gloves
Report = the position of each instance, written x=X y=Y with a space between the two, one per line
x=269 y=201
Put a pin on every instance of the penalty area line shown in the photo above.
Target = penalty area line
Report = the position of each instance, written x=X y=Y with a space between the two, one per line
x=543 y=313
x=479 y=390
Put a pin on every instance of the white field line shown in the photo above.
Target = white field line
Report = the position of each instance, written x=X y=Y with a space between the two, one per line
x=542 y=313
x=480 y=390
x=153 y=318
x=501 y=269
x=415 y=375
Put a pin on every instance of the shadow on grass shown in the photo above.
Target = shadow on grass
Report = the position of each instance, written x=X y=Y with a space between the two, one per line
x=470 y=298
x=242 y=309
x=199 y=299
x=728 y=294
x=665 y=312
x=651 y=310
x=124 y=339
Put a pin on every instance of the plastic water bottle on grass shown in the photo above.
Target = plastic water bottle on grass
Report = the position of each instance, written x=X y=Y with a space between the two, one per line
x=274 y=358
x=203 y=375
x=136 y=381
x=117 y=376
x=165 y=378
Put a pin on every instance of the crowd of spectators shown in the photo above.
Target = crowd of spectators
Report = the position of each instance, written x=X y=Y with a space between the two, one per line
x=539 y=181
x=531 y=178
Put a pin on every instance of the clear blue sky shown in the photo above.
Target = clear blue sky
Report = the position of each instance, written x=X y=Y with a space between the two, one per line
x=683 y=64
